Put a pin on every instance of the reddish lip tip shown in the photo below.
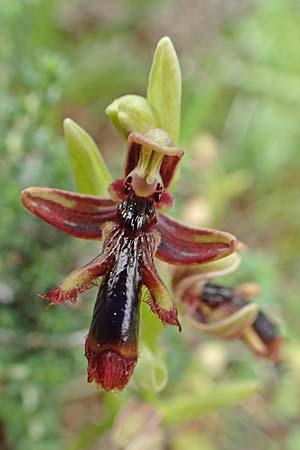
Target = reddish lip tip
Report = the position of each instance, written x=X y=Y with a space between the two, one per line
x=109 y=369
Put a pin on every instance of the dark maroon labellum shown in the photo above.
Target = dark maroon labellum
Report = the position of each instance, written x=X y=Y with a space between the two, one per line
x=115 y=318
x=111 y=346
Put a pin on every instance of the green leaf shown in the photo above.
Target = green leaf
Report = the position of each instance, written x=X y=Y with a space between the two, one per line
x=164 y=87
x=190 y=406
x=131 y=113
x=89 y=169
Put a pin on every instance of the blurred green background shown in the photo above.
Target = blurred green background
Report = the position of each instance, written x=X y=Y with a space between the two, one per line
x=241 y=172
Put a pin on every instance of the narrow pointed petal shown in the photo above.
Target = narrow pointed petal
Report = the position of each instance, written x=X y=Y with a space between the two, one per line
x=79 y=215
x=183 y=245
x=161 y=302
x=80 y=280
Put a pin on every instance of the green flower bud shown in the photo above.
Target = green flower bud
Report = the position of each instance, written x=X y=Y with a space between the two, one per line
x=131 y=113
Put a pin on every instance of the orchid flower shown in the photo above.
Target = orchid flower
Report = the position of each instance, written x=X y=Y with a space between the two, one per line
x=130 y=223
x=134 y=231
x=225 y=312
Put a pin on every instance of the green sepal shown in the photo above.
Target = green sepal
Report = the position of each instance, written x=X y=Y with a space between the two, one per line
x=89 y=169
x=164 y=88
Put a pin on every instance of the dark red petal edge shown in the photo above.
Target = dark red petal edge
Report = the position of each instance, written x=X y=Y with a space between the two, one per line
x=160 y=300
x=183 y=245
x=79 y=215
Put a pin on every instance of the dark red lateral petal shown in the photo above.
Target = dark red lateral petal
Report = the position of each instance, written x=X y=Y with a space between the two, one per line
x=79 y=215
x=161 y=302
x=183 y=245
x=80 y=280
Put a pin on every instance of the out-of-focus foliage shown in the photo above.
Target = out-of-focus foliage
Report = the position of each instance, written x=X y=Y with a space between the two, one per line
x=33 y=75
x=240 y=128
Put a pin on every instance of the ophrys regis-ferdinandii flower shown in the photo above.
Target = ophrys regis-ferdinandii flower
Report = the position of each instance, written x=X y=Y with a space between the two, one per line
x=226 y=312
x=134 y=231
